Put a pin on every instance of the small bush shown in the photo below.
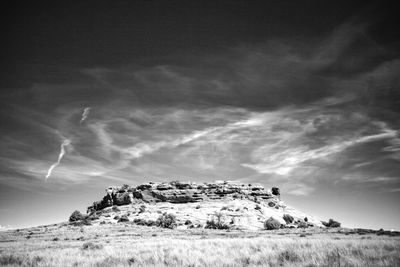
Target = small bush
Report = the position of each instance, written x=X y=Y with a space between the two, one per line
x=91 y=246
x=76 y=216
x=272 y=224
x=331 y=223
x=288 y=218
x=302 y=225
x=144 y=222
x=187 y=222
x=139 y=221
x=271 y=204
x=217 y=222
x=166 y=220
x=150 y=223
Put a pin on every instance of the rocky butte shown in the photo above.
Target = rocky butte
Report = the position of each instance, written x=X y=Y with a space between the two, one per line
x=227 y=204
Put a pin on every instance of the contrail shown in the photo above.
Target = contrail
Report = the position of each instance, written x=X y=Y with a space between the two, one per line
x=85 y=114
x=62 y=153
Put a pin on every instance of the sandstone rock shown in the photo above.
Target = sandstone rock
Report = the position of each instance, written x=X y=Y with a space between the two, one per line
x=186 y=192
x=123 y=198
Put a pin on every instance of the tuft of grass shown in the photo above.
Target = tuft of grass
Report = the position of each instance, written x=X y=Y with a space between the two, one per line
x=11 y=260
x=288 y=255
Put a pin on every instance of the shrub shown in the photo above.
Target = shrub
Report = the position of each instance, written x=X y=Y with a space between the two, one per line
x=272 y=224
x=144 y=222
x=217 y=222
x=76 y=216
x=90 y=245
x=331 y=223
x=302 y=224
x=139 y=221
x=150 y=223
x=187 y=222
x=166 y=220
x=271 y=204
x=288 y=218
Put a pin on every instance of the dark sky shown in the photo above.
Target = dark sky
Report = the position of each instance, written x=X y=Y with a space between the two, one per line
x=303 y=95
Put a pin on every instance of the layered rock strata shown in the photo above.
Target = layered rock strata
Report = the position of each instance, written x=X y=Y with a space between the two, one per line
x=189 y=192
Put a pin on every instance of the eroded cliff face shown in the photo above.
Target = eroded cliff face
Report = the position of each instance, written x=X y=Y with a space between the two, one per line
x=188 y=192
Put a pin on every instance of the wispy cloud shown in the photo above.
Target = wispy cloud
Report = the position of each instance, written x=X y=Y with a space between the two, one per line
x=273 y=109
x=65 y=143
x=85 y=114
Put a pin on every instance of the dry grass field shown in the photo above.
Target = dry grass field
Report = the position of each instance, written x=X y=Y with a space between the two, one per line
x=126 y=244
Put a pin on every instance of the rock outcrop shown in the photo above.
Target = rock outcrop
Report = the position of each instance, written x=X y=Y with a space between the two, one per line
x=179 y=192
x=217 y=205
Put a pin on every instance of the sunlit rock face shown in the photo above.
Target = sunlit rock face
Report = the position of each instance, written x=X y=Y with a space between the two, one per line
x=194 y=205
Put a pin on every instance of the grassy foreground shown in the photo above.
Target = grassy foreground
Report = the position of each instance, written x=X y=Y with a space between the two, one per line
x=132 y=245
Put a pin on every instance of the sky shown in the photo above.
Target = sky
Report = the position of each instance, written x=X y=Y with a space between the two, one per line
x=302 y=95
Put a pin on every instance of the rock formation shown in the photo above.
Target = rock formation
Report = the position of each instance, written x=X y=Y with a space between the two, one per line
x=179 y=192
x=217 y=205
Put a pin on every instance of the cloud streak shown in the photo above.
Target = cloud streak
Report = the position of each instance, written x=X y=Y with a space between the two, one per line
x=85 y=114
x=65 y=143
